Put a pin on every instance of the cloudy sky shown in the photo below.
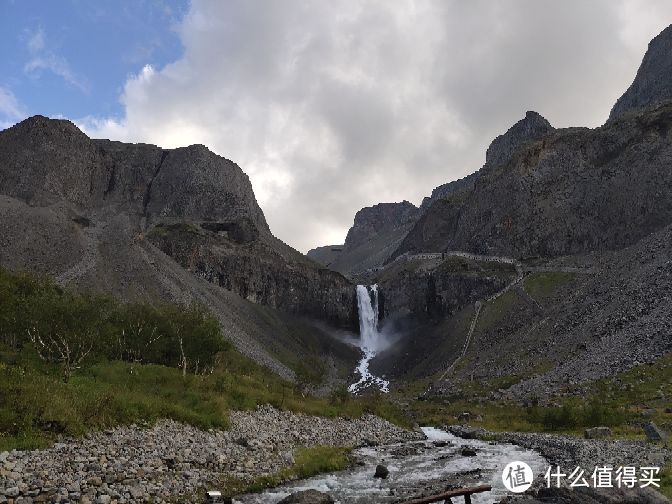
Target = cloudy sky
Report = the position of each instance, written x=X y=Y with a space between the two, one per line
x=327 y=105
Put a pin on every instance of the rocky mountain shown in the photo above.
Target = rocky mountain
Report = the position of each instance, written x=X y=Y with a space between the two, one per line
x=143 y=222
x=554 y=251
x=576 y=190
x=652 y=85
x=325 y=255
x=374 y=235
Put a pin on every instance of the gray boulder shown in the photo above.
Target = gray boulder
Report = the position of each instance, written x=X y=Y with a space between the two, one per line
x=597 y=433
x=653 y=433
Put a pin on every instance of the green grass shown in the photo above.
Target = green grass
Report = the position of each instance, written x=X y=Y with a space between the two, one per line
x=666 y=481
x=307 y=462
x=493 y=312
x=618 y=402
x=542 y=286
x=36 y=405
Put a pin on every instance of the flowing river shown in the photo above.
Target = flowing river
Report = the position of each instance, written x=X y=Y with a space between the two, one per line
x=415 y=467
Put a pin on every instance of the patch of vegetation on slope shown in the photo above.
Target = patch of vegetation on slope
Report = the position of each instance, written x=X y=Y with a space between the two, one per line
x=542 y=286
x=623 y=402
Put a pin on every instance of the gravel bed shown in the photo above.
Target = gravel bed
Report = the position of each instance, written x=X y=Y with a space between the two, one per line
x=169 y=460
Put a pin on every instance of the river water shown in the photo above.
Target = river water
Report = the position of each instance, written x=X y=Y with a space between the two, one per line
x=415 y=467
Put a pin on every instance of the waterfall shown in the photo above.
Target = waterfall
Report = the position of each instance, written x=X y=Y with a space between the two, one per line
x=371 y=340
x=368 y=317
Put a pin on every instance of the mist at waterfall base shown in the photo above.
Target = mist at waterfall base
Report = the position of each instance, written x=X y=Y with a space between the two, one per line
x=372 y=340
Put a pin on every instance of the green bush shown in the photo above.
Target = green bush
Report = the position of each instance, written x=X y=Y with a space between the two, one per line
x=73 y=328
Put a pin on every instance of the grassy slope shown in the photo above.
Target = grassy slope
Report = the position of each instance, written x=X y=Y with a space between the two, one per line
x=36 y=406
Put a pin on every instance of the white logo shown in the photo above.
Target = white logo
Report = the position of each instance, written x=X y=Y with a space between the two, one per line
x=517 y=476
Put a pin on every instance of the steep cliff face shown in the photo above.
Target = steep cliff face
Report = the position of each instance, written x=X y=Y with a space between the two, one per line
x=574 y=191
x=325 y=255
x=374 y=235
x=445 y=190
x=652 y=85
x=104 y=210
x=371 y=221
x=256 y=270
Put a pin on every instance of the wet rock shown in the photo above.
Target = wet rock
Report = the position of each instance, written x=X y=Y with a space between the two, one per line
x=308 y=497
x=381 y=472
x=467 y=451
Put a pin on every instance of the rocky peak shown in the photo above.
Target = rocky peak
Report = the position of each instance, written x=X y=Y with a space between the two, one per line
x=653 y=82
x=44 y=160
x=370 y=221
x=529 y=129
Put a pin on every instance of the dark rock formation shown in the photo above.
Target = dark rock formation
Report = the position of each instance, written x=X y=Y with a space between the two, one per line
x=325 y=255
x=531 y=128
x=445 y=190
x=653 y=84
x=374 y=235
x=574 y=191
x=371 y=221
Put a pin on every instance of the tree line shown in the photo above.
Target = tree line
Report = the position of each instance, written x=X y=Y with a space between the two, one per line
x=71 y=328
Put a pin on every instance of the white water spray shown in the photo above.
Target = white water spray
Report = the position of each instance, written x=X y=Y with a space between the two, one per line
x=371 y=340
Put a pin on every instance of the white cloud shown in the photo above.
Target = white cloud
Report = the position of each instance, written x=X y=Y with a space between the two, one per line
x=331 y=106
x=42 y=58
x=11 y=111
x=10 y=108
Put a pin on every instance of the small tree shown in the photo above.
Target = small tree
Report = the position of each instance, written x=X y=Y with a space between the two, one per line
x=136 y=332
x=64 y=328
x=196 y=335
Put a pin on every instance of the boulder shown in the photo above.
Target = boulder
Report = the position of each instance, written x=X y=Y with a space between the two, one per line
x=382 y=472
x=653 y=433
x=597 y=433
x=464 y=417
x=468 y=451
x=308 y=497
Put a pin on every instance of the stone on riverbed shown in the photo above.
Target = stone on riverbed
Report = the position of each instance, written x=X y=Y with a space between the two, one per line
x=597 y=433
x=381 y=472
x=468 y=452
x=307 y=497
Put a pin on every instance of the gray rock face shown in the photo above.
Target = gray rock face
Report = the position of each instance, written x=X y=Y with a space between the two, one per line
x=531 y=128
x=445 y=190
x=195 y=183
x=653 y=84
x=371 y=221
x=574 y=191
x=374 y=235
x=326 y=254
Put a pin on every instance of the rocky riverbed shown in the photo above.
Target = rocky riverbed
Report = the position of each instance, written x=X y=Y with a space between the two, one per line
x=571 y=452
x=175 y=461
